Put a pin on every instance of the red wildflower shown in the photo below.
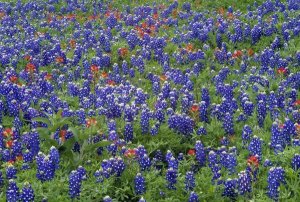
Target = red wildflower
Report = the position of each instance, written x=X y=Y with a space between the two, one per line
x=73 y=43
x=92 y=17
x=250 y=52
x=230 y=16
x=2 y=14
x=281 y=70
x=163 y=78
x=27 y=57
x=297 y=103
x=123 y=52
x=111 y=82
x=155 y=16
x=130 y=153
x=189 y=47
x=194 y=108
x=70 y=16
x=174 y=13
x=7 y=132
x=30 y=68
x=144 y=25
x=91 y=122
x=221 y=11
x=10 y=162
x=9 y=144
x=94 y=69
x=13 y=79
x=59 y=59
x=104 y=75
x=253 y=160
x=19 y=158
x=118 y=15
x=192 y=152
x=62 y=134
x=237 y=54
x=48 y=76
x=107 y=14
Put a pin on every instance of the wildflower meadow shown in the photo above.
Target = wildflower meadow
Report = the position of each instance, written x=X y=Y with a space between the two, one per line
x=149 y=101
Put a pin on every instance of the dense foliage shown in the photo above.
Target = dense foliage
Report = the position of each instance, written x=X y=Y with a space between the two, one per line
x=165 y=101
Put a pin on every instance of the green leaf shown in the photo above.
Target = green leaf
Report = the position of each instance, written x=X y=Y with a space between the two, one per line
x=43 y=131
x=69 y=143
x=75 y=132
x=92 y=147
x=43 y=120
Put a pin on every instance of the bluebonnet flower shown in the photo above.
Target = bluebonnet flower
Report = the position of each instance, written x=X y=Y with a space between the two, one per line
x=255 y=147
x=276 y=176
x=244 y=182
x=171 y=177
x=74 y=184
x=228 y=124
x=230 y=188
x=11 y=172
x=189 y=181
x=296 y=162
x=12 y=192
x=27 y=194
x=139 y=184
x=145 y=162
x=200 y=153
x=193 y=197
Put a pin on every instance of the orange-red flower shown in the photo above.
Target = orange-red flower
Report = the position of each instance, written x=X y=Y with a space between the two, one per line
x=174 y=13
x=9 y=144
x=297 y=125
x=281 y=70
x=104 y=75
x=19 y=158
x=163 y=77
x=189 y=47
x=27 y=57
x=130 y=153
x=7 y=132
x=237 y=54
x=221 y=11
x=123 y=52
x=253 y=160
x=70 y=16
x=107 y=14
x=250 y=52
x=230 y=16
x=192 y=152
x=73 y=43
x=94 y=69
x=11 y=162
x=13 y=79
x=30 y=68
x=194 y=108
x=297 y=103
x=2 y=14
x=48 y=76
x=59 y=59
x=91 y=122
x=62 y=134
x=111 y=82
